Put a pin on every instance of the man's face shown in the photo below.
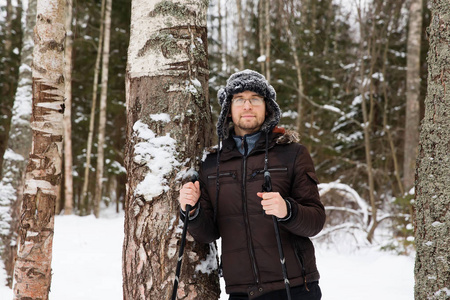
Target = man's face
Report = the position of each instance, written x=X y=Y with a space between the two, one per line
x=247 y=117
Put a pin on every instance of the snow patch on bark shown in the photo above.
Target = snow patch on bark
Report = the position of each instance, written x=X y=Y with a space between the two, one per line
x=158 y=154
x=210 y=263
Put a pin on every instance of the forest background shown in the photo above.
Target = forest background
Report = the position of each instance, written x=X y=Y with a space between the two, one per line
x=345 y=73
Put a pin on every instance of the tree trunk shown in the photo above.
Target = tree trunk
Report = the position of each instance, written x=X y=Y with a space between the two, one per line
x=168 y=126
x=262 y=50
x=432 y=268
x=43 y=175
x=8 y=70
x=84 y=200
x=367 y=112
x=268 y=40
x=19 y=146
x=68 y=161
x=412 y=94
x=298 y=68
x=102 y=117
x=240 y=34
x=387 y=127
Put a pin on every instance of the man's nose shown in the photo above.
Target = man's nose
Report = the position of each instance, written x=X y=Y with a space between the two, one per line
x=248 y=105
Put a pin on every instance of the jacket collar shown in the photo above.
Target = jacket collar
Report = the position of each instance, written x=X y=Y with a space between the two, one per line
x=229 y=148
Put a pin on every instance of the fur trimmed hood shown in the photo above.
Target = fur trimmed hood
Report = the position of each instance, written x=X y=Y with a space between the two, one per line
x=239 y=82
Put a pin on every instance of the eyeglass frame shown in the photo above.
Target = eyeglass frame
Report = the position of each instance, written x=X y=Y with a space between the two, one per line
x=249 y=100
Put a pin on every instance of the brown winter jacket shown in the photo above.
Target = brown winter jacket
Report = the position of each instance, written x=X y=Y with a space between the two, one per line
x=250 y=256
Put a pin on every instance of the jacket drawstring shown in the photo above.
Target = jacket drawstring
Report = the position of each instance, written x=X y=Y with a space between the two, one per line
x=216 y=208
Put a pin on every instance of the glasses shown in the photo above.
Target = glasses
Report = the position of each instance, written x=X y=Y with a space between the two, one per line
x=255 y=101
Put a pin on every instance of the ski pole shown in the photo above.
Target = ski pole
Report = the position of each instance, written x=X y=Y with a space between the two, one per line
x=182 y=244
x=267 y=187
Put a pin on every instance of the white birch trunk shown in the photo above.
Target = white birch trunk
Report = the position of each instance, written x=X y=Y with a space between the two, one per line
x=167 y=99
x=412 y=94
x=19 y=145
x=43 y=176
x=68 y=162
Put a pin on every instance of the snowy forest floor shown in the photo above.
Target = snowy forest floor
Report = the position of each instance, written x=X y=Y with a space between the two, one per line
x=87 y=261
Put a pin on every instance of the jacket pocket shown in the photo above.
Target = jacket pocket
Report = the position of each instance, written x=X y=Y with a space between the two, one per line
x=313 y=177
x=224 y=177
x=259 y=173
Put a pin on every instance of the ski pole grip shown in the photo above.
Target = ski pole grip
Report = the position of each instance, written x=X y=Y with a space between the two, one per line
x=194 y=178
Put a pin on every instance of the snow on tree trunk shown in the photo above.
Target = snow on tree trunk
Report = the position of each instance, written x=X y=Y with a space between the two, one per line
x=412 y=94
x=19 y=145
x=43 y=175
x=168 y=126
x=432 y=267
x=102 y=117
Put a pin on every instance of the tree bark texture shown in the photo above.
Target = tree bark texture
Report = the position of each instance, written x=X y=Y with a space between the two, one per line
x=432 y=214
x=412 y=94
x=19 y=145
x=103 y=105
x=43 y=174
x=167 y=98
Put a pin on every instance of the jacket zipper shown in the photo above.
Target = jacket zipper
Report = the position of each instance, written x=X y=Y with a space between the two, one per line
x=254 y=174
x=233 y=175
x=247 y=223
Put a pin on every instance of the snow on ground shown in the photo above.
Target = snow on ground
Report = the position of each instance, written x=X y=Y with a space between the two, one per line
x=87 y=258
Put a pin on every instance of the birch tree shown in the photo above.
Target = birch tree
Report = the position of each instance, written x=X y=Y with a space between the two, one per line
x=412 y=93
x=168 y=126
x=19 y=145
x=43 y=175
x=103 y=105
x=432 y=266
x=68 y=177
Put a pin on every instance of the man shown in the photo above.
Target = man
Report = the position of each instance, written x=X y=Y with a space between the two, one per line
x=228 y=201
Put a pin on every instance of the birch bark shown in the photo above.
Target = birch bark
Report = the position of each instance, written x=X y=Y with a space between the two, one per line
x=168 y=126
x=19 y=145
x=68 y=161
x=43 y=175
x=412 y=94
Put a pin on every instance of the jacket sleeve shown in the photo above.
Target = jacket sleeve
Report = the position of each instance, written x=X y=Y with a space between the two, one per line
x=202 y=227
x=308 y=213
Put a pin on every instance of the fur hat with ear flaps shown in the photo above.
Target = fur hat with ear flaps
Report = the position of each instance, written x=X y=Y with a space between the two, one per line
x=239 y=82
